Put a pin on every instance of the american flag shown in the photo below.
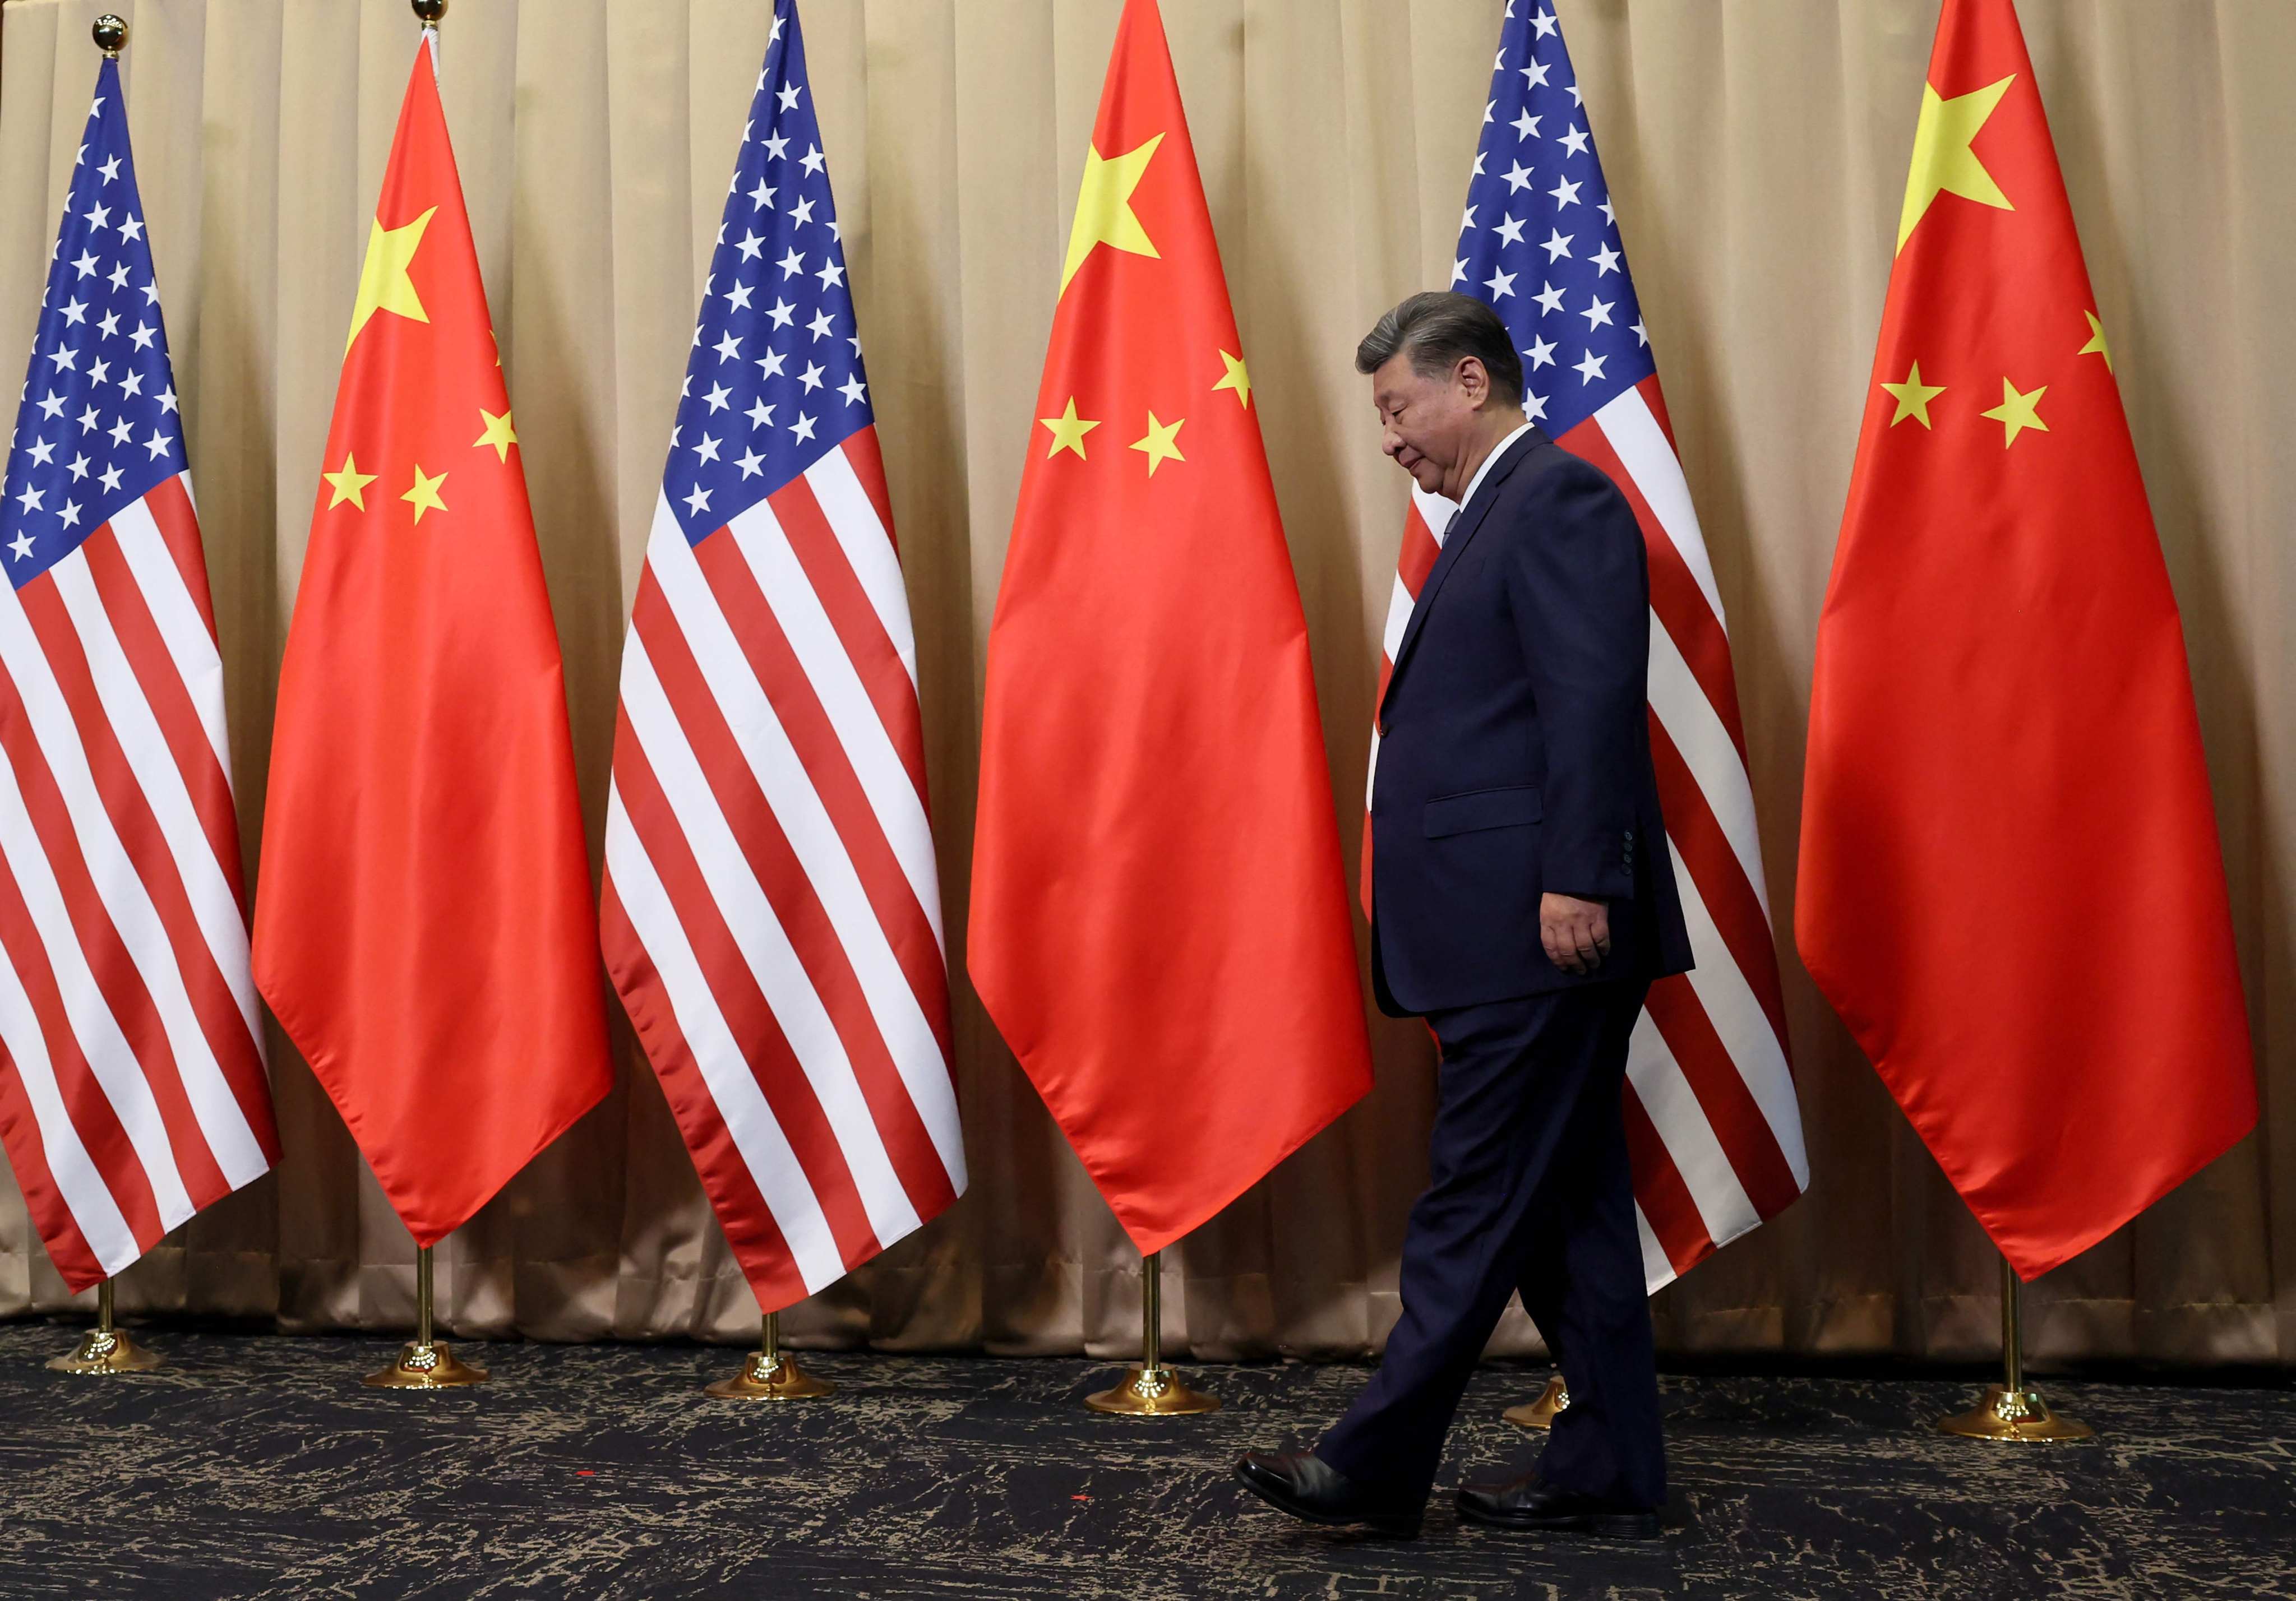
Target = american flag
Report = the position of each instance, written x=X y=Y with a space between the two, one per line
x=1711 y=1118
x=772 y=914
x=132 y=1092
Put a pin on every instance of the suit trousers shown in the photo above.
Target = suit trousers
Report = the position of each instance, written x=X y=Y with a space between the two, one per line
x=1529 y=1190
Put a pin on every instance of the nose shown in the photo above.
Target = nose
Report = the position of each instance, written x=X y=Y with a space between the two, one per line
x=1391 y=442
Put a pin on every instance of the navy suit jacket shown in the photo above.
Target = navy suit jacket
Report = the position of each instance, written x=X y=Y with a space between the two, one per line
x=1514 y=756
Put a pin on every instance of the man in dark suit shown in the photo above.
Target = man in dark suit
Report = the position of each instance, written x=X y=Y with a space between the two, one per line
x=1523 y=899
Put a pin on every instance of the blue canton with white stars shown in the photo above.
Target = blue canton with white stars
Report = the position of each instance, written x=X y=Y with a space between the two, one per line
x=98 y=428
x=1540 y=242
x=774 y=382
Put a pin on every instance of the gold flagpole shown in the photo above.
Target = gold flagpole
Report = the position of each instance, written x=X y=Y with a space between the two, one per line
x=1540 y=1414
x=2009 y=1410
x=426 y=1364
x=106 y=1349
x=1150 y=1389
x=770 y=1374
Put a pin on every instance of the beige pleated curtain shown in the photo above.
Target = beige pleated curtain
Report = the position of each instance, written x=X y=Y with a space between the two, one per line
x=1756 y=150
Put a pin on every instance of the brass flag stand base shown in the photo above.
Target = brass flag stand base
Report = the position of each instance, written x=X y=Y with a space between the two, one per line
x=106 y=1349
x=769 y=1375
x=1152 y=1393
x=2013 y=1415
x=1150 y=1389
x=1540 y=1414
x=426 y=1364
x=2009 y=1410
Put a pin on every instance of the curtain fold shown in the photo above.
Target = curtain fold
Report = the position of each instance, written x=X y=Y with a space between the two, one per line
x=1756 y=153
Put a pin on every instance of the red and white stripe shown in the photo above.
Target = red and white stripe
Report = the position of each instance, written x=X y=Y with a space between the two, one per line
x=134 y=1092
x=1712 y=1116
x=771 y=912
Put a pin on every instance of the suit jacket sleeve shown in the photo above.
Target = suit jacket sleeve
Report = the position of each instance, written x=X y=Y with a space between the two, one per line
x=1578 y=589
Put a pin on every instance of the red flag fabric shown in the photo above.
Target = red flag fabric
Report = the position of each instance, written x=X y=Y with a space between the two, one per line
x=2011 y=886
x=424 y=923
x=1159 y=922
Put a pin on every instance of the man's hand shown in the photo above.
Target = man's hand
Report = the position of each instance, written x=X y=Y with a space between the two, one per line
x=1576 y=932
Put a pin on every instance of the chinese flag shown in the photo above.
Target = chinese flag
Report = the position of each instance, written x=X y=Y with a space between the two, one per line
x=1159 y=920
x=423 y=924
x=2011 y=887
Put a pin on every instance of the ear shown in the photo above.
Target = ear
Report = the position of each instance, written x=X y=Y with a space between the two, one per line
x=1473 y=380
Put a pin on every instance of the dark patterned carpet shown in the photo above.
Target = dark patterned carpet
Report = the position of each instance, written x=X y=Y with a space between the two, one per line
x=258 y=1466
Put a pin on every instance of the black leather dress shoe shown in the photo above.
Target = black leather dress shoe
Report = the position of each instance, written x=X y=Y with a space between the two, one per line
x=1306 y=1486
x=1530 y=1503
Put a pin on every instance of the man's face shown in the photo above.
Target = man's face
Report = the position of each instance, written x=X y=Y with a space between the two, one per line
x=1430 y=424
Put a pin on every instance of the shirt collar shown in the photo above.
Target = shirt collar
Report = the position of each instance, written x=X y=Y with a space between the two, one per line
x=1491 y=461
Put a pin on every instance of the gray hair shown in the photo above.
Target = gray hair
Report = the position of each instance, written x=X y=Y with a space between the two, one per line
x=1436 y=329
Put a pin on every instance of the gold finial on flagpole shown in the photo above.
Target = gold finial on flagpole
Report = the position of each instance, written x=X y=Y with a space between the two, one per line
x=112 y=34
x=770 y=1374
x=427 y=1364
x=105 y=1350
x=429 y=12
x=2012 y=1409
x=1151 y=1389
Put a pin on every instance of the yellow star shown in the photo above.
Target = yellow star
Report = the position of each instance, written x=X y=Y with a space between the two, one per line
x=1160 y=445
x=2096 y=345
x=1237 y=378
x=425 y=496
x=499 y=434
x=1943 y=163
x=1103 y=213
x=2017 y=413
x=1069 y=430
x=350 y=484
x=1913 y=397
x=383 y=282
